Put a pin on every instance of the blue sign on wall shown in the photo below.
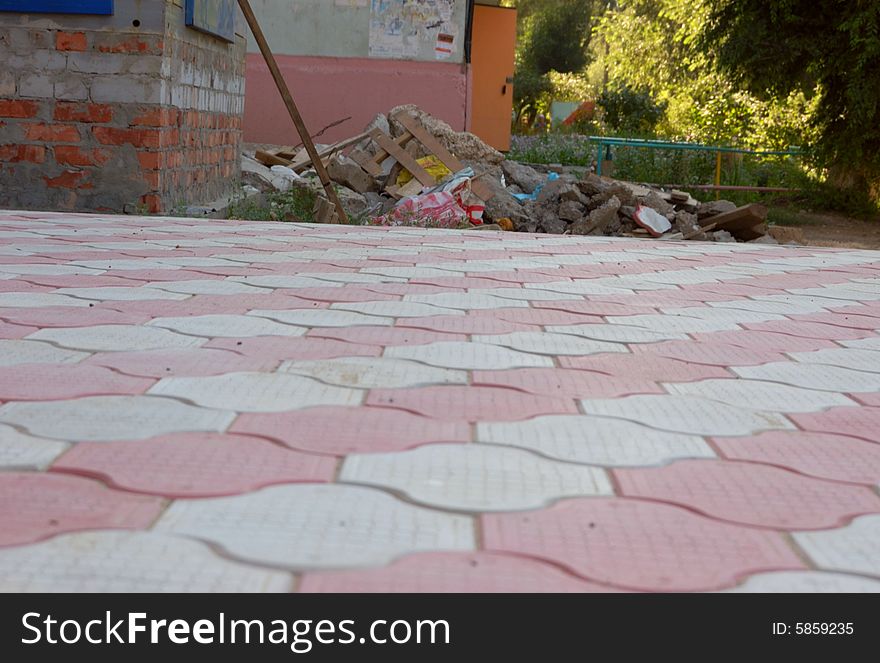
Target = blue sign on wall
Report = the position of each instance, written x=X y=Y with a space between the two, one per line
x=216 y=17
x=57 y=6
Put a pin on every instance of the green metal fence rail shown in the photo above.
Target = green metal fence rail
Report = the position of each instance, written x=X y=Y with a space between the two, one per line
x=606 y=143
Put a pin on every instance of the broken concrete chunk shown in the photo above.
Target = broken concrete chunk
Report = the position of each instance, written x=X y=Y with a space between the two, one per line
x=571 y=211
x=714 y=208
x=348 y=173
x=551 y=223
x=525 y=177
x=502 y=205
x=598 y=220
x=654 y=201
x=652 y=221
x=463 y=145
x=592 y=184
x=722 y=236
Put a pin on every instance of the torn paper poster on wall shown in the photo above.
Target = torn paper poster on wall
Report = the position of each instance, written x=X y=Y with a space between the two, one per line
x=411 y=29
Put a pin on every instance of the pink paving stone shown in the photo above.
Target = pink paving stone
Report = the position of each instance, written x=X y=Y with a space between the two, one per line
x=644 y=366
x=821 y=455
x=290 y=348
x=80 y=281
x=71 y=316
x=840 y=318
x=712 y=354
x=458 y=573
x=463 y=324
x=467 y=403
x=343 y=430
x=566 y=383
x=195 y=362
x=524 y=276
x=402 y=289
x=750 y=493
x=863 y=422
x=39 y=505
x=594 y=308
x=815 y=330
x=10 y=331
x=639 y=545
x=195 y=464
x=49 y=382
x=331 y=295
x=384 y=336
x=153 y=275
x=539 y=317
x=456 y=282
x=737 y=289
x=18 y=285
x=764 y=340
x=28 y=260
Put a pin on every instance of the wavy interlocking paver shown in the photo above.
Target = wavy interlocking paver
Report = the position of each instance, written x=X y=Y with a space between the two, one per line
x=639 y=545
x=19 y=451
x=595 y=440
x=477 y=478
x=129 y=562
x=760 y=395
x=820 y=455
x=340 y=431
x=750 y=494
x=854 y=548
x=463 y=403
x=688 y=414
x=37 y=506
x=107 y=418
x=255 y=392
x=194 y=464
x=468 y=372
x=458 y=573
x=314 y=527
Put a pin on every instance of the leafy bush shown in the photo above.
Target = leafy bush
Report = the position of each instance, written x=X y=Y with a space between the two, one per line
x=629 y=111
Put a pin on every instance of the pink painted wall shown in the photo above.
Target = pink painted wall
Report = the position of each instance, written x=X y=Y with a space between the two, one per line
x=329 y=89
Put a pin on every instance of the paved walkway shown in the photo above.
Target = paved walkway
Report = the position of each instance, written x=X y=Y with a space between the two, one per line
x=223 y=406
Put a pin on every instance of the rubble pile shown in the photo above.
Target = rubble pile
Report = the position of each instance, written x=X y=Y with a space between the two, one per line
x=408 y=156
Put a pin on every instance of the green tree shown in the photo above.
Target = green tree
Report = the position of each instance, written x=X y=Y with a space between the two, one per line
x=779 y=47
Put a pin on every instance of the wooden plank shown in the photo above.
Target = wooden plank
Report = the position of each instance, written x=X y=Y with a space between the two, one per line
x=434 y=146
x=292 y=109
x=299 y=165
x=745 y=223
x=404 y=159
x=269 y=159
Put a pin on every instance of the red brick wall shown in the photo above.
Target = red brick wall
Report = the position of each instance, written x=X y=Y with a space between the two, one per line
x=97 y=120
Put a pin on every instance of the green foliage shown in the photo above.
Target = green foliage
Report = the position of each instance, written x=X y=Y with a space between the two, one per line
x=829 y=48
x=296 y=204
x=631 y=112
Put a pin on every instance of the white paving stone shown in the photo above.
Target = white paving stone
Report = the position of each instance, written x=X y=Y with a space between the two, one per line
x=763 y=306
x=37 y=300
x=854 y=548
x=854 y=358
x=48 y=270
x=22 y=351
x=407 y=272
x=841 y=292
x=465 y=301
x=807 y=582
x=324 y=318
x=477 y=478
x=544 y=343
x=351 y=277
x=871 y=343
x=474 y=356
x=688 y=414
x=111 y=418
x=616 y=333
x=813 y=376
x=374 y=372
x=227 y=326
x=122 y=293
x=116 y=338
x=285 y=282
x=595 y=440
x=130 y=563
x=681 y=277
x=119 y=264
x=525 y=295
x=318 y=527
x=207 y=287
x=256 y=392
x=395 y=309
x=19 y=451
x=757 y=394
x=672 y=323
x=579 y=287
x=736 y=316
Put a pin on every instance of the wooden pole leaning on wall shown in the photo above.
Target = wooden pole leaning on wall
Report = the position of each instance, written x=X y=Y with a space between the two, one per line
x=304 y=135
